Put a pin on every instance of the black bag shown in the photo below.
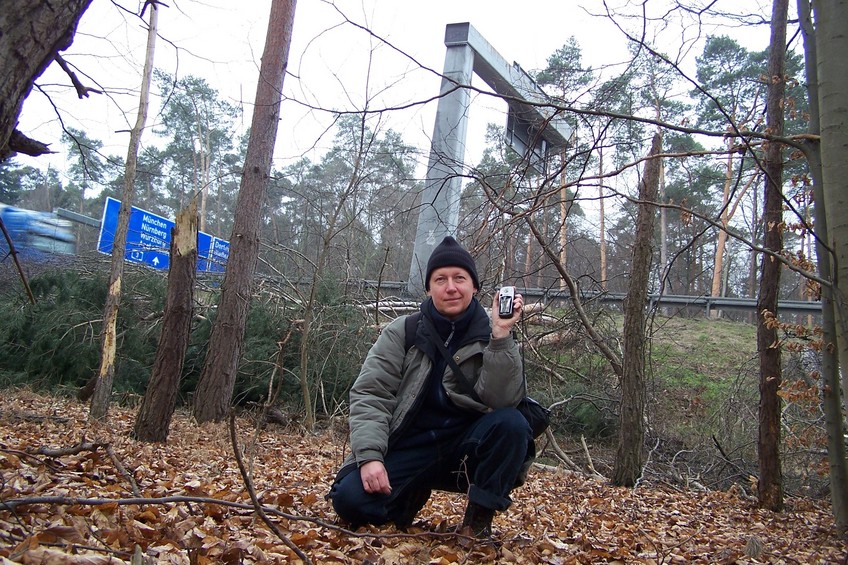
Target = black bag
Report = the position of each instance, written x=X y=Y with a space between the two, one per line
x=536 y=415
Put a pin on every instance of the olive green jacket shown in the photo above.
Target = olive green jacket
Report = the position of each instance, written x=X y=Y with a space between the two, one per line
x=392 y=380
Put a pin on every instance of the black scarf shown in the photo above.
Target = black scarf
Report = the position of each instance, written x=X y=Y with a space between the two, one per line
x=438 y=418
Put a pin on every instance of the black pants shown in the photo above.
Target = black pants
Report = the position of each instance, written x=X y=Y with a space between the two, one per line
x=484 y=462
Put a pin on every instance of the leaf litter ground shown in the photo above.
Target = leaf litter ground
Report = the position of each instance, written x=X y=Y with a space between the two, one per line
x=78 y=492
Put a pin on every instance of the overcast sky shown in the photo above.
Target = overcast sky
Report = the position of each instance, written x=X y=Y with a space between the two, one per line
x=332 y=64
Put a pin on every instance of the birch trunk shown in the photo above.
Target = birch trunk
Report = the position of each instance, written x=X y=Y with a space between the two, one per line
x=832 y=42
x=99 y=406
x=824 y=50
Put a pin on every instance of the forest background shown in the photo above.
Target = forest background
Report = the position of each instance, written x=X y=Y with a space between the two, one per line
x=338 y=226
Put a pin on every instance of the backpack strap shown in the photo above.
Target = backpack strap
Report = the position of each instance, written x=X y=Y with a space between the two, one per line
x=411 y=328
x=460 y=376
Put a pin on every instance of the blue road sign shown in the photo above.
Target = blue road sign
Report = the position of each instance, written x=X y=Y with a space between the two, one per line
x=212 y=253
x=149 y=240
x=204 y=242
x=148 y=235
x=219 y=252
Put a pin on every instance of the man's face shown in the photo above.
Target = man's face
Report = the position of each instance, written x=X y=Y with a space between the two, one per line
x=451 y=289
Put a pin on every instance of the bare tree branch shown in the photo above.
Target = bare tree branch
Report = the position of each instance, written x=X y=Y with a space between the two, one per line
x=82 y=90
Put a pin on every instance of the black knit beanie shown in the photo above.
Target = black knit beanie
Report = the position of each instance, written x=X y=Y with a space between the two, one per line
x=449 y=253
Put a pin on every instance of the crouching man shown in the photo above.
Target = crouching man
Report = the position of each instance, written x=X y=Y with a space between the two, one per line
x=415 y=426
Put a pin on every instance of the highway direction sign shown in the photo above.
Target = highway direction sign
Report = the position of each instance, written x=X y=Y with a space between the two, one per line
x=149 y=240
x=212 y=253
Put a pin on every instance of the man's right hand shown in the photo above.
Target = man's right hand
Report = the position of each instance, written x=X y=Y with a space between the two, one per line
x=374 y=478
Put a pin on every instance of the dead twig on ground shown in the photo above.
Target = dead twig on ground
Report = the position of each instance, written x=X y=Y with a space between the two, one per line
x=72 y=450
x=572 y=466
x=589 y=462
x=123 y=470
x=252 y=492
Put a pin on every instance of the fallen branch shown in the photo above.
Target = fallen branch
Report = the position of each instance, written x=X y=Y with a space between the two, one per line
x=36 y=418
x=646 y=466
x=13 y=504
x=252 y=492
x=560 y=453
x=545 y=367
x=33 y=553
x=14 y=254
x=589 y=458
x=92 y=446
x=727 y=459
x=123 y=470
x=686 y=480
x=73 y=450
x=23 y=454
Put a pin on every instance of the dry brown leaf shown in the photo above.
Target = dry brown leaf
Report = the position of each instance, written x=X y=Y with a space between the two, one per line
x=45 y=556
x=556 y=517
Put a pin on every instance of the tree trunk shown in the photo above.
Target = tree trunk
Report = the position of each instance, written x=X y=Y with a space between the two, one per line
x=563 y=215
x=602 y=230
x=529 y=260
x=204 y=157
x=721 y=241
x=629 y=458
x=831 y=42
x=160 y=399
x=33 y=33
x=728 y=210
x=103 y=384
x=770 y=486
x=831 y=397
x=753 y=265
x=664 y=265
x=831 y=402
x=217 y=381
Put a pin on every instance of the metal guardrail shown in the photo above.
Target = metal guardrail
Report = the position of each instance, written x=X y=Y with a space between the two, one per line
x=709 y=303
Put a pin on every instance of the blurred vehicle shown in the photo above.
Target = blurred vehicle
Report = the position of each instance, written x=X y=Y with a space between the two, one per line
x=36 y=235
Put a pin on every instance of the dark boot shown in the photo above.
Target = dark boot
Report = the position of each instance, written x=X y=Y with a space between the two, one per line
x=477 y=521
x=411 y=506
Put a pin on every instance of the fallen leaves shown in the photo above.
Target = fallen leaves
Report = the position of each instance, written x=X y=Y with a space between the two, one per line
x=67 y=495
